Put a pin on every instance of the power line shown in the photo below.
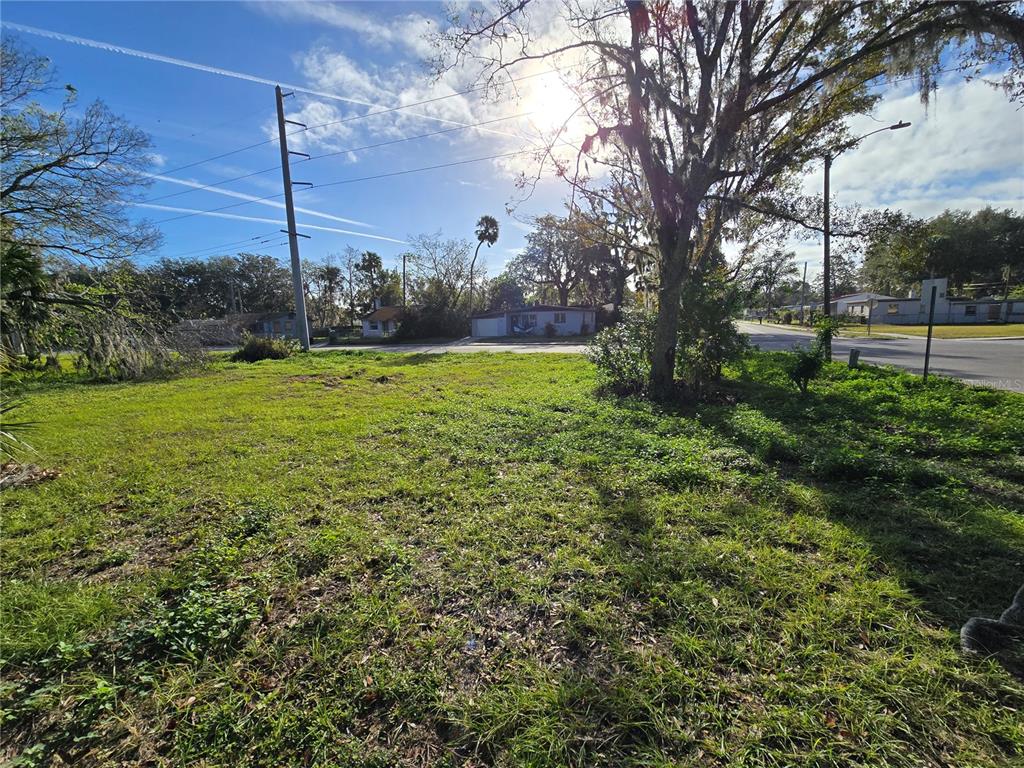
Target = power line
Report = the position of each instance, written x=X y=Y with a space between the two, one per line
x=351 y=181
x=366 y=115
x=230 y=244
x=425 y=168
x=334 y=154
x=221 y=208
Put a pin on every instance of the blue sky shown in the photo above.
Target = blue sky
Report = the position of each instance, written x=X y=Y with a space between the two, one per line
x=965 y=150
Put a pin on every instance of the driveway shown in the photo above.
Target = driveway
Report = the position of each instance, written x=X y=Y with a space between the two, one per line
x=995 y=363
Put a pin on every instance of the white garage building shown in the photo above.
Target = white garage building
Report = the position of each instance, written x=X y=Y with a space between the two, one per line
x=534 y=321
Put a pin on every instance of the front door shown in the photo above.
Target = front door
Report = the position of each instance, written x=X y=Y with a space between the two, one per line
x=994 y=311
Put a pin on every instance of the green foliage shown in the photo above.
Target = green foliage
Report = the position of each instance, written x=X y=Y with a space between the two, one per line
x=984 y=247
x=708 y=338
x=256 y=348
x=622 y=353
x=805 y=364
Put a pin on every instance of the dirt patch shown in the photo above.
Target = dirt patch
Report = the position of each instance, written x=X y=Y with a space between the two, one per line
x=330 y=381
x=15 y=475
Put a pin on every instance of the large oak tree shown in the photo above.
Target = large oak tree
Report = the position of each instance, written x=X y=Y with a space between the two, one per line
x=716 y=101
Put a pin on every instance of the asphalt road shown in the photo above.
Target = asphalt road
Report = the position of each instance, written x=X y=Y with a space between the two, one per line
x=466 y=345
x=990 y=362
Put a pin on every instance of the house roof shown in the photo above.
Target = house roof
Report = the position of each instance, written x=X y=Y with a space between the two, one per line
x=534 y=308
x=386 y=313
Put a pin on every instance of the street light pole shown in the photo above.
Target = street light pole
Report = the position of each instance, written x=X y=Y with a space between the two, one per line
x=826 y=221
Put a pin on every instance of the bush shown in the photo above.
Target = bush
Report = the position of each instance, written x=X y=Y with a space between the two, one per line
x=550 y=331
x=431 y=322
x=805 y=366
x=264 y=348
x=787 y=317
x=708 y=337
x=806 y=363
x=622 y=353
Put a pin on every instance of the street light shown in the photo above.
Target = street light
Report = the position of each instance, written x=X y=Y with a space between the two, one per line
x=827 y=278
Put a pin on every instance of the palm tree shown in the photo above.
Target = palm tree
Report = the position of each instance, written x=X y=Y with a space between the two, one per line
x=486 y=232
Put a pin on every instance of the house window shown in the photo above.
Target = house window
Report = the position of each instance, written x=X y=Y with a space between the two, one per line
x=971 y=310
x=373 y=325
x=559 y=318
x=277 y=326
x=894 y=309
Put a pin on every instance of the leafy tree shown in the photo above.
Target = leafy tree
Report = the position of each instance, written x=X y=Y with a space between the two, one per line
x=555 y=257
x=505 y=292
x=767 y=272
x=67 y=180
x=486 y=232
x=984 y=249
x=324 y=287
x=719 y=102
x=215 y=287
x=438 y=287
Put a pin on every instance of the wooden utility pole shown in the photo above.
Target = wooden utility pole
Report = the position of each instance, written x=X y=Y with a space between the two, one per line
x=302 y=325
x=404 y=255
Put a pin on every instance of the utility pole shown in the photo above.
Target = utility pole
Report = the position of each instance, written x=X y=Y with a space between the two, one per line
x=827 y=272
x=404 y=255
x=931 y=324
x=803 y=294
x=351 y=297
x=302 y=325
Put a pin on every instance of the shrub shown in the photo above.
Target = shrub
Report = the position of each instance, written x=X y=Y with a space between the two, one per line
x=805 y=366
x=550 y=331
x=806 y=363
x=264 y=348
x=708 y=337
x=430 y=322
x=622 y=353
x=115 y=348
x=787 y=317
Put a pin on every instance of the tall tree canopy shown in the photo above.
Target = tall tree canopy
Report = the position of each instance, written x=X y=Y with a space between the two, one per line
x=67 y=180
x=983 y=251
x=715 y=102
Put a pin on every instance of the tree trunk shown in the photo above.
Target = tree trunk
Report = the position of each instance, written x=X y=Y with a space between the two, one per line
x=563 y=296
x=666 y=331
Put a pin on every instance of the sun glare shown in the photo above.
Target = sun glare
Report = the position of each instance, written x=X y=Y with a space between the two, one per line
x=551 y=103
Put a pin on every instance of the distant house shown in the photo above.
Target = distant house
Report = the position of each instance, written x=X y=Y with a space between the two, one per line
x=231 y=329
x=382 y=322
x=274 y=324
x=534 y=321
x=948 y=310
x=855 y=303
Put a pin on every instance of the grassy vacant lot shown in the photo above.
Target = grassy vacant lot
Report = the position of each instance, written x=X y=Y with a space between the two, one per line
x=469 y=560
x=941 y=331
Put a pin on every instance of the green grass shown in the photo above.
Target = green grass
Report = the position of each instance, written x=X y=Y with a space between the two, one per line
x=945 y=331
x=357 y=559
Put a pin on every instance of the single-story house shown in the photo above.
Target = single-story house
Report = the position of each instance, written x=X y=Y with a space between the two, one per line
x=948 y=310
x=382 y=322
x=855 y=303
x=275 y=324
x=534 y=321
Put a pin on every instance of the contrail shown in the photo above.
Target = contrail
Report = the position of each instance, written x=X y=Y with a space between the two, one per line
x=215 y=214
x=254 y=199
x=224 y=72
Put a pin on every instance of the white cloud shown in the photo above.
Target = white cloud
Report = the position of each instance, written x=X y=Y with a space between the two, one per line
x=965 y=150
